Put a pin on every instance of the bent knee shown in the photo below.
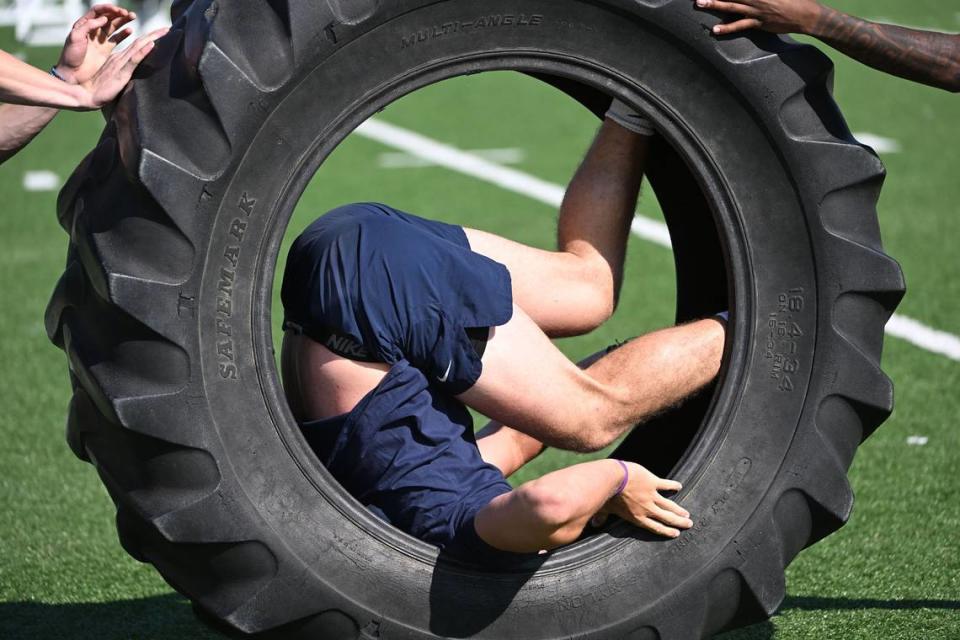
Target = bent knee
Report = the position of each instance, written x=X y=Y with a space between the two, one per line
x=589 y=435
x=596 y=308
x=593 y=440
x=594 y=294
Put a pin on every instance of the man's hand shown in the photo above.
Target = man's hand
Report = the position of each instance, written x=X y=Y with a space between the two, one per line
x=641 y=503
x=553 y=510
x=91 y=41
x=110 y=79
x=929 y=57
x=776 y=16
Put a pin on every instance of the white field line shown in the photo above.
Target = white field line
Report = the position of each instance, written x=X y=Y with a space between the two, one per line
x=41 y=181
x=404 y=160
x=946 y=344
x=878 y=143
x=913 y=331
x=504 y=177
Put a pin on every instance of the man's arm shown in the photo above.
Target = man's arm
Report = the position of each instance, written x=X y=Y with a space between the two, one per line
x=88 y=75
x=22 y=84
x=507 y=449
x=19 y=125
x=554 y=510
x=35 y=96
x=90 y=42
x=927 y=57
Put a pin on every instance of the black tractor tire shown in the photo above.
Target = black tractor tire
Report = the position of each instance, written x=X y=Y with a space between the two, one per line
x=175 y=220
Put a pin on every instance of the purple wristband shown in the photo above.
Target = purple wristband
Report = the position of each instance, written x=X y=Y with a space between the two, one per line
x=626 y=477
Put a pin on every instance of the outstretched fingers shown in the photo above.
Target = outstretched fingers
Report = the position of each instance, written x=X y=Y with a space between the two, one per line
x=670 y=505
x=83 y=27
x=77 y=44
x=109 y=10
x=665 y=518
x=751 y=16
x=91 y=13
x=732 y=7
x=739 y=25
x=665 y=484
x=135 y=53
x=658 y=527
x=156 y=34
x=670 y=518
x=114 y=75
x=111 y=31
x=120 y=36
x=108 y=19
x=666 y=511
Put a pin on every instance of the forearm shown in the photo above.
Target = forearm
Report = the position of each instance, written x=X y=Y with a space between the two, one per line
x=19 y=125
x=506 y=448
x=550 y=511
x=601 y=199
x=22 y=84
x=921 y=56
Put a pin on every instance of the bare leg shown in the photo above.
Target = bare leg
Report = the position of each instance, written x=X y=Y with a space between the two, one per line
x=526 y=382
x=529 y=384
x=573 y=290
x=508 y=449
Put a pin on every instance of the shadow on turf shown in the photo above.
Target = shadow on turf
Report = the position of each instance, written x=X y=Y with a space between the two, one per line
x=813 y=603
x=166 y=617
x=765 y=630
x=171 y=616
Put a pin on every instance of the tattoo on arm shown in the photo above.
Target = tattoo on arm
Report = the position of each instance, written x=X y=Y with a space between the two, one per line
x=922 y=56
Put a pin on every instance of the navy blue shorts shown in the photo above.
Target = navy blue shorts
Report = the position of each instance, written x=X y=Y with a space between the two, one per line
x=406 y=289
x=409 y=455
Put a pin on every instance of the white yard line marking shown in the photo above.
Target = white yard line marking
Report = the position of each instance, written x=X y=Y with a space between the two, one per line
x=917 y=441
x=404 y=160
x=914 y=331
x=504 y=177
x=879 y=143
x=448 y=156
x=416 y=144
x=41 y=181
x=651 y=230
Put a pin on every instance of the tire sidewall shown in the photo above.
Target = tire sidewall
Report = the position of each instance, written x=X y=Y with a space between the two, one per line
x=389 y=575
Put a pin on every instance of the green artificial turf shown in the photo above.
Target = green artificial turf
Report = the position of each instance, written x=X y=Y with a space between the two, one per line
x=892 y=572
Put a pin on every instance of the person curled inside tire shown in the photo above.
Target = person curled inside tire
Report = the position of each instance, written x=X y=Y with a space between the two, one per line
x=394 y=325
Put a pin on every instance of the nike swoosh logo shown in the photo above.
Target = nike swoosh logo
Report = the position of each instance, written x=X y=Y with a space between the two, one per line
x=446 y=374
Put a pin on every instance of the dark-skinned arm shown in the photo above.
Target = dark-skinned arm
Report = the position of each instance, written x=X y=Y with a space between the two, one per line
x=927 y=57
